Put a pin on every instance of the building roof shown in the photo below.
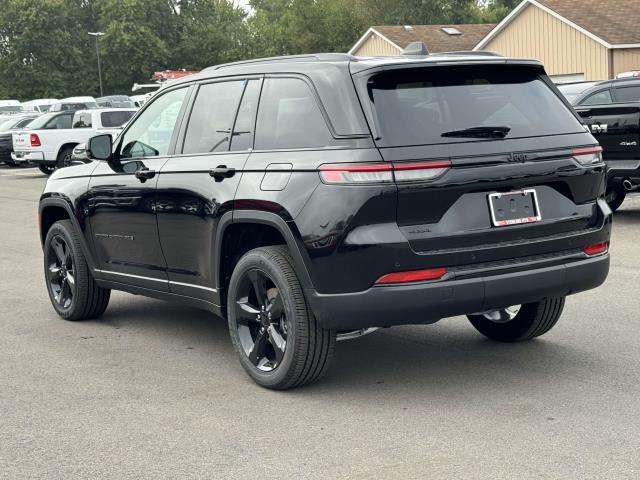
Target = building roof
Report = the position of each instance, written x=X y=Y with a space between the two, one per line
x=613 y=24
x=434 y=36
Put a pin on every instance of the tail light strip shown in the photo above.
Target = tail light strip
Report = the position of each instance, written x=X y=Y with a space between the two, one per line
x=588 y=156
x=383 y=172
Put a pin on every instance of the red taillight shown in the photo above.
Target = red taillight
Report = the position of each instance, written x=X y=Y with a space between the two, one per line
x=412 y=276
x=596 y=249
x=588 y=156
x=35 y=140
x=383 y=172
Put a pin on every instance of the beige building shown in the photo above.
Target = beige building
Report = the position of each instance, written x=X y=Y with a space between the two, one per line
x=575 y=39
x=392 y=39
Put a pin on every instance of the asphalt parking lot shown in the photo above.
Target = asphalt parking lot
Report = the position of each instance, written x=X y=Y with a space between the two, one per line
x=154 y=390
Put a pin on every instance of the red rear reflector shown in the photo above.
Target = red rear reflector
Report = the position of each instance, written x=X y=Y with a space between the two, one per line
x=596 y=248
x=412 y=276
x=35 y=140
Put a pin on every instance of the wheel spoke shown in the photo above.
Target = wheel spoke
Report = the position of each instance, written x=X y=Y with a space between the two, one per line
x=246 y=313
x=58 y=248
x=244 y=304
x=279 y=343
x=71 y=281
x=275 y=307
x=258 y=282
x=259 y=347
x=64 y=289
x=54 y=271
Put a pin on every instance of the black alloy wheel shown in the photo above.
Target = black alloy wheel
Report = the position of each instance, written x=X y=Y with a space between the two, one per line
x=615 y=196
x=61 y=272
x=279 y=342
x=261 y=321
x=46 y=168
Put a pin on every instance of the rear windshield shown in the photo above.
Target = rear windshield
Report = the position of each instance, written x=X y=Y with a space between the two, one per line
x=418 y=106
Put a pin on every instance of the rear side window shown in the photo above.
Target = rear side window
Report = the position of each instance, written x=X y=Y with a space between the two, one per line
x=115 y=119
x=289 y=116
x=246 y=119
x=211 y=119
x=82 y=120
x=423 y=106
x=602 y=97
x=628 y=94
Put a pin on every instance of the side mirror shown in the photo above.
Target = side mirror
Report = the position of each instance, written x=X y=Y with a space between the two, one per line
x=100 y=147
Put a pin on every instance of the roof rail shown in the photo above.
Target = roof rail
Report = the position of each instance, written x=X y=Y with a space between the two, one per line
x=470 y=53
x=318 y=57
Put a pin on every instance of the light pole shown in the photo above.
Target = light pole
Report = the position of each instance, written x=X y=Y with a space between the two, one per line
x=98 y=34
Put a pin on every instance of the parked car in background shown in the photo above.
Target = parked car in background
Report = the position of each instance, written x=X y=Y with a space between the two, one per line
x=138 y=100
x=15 y=122
x=633 y=73
x=10 y=106
x=611 y=110
x=41 y=105
x=115 y=101
x=572 y=91
x=50 y=139
x=74 y=103
x=309 y=198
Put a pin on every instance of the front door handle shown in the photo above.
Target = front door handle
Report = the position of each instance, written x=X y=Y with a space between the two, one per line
x=221 y=172
x=145 y=174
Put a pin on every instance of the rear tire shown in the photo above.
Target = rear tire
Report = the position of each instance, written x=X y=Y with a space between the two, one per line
x=46 y=168
x=533 y=320
x=272 y=328
x=64 y=157
x=72 y=290
x=614 y=197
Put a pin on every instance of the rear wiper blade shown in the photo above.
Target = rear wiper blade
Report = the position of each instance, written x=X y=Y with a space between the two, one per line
x=479 y=132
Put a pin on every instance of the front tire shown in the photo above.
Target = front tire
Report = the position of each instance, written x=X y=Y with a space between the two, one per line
x=46 y=168
x=530 y=321
x=72 y=289
x=272 y=328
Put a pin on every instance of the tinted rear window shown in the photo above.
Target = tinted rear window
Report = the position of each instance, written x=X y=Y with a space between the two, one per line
x=115 y=119
x=415 y=107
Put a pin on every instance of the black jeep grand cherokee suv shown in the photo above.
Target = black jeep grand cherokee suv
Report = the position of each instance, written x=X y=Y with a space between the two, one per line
x=307 y=197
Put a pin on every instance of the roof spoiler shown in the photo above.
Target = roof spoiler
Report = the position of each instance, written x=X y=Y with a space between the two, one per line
x=416 y=49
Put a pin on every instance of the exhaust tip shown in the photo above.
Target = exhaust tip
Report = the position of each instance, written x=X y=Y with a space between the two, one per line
x=628 y=185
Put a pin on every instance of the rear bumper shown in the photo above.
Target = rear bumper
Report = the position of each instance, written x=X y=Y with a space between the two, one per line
x=619 y=170
x=428 y=302
x=23 y=157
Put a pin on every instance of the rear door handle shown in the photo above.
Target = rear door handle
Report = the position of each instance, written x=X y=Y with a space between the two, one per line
x=221 y=172
x=144 y=175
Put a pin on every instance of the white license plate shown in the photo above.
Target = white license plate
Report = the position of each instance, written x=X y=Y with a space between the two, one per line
x=514 y=208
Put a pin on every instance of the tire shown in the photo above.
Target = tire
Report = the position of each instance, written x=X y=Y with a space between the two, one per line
x=532 y=320
x=71 y=287
x=615 y=196
x=46 y=168
x=64 y=157
x=256 y=333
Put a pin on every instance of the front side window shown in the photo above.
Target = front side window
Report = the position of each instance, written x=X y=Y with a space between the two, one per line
x=211 y=119
x=289 y=117
x=602 y=97
x=150 y=134
x=628 y=94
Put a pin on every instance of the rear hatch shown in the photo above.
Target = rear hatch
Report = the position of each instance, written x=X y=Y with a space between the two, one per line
x=514 y=165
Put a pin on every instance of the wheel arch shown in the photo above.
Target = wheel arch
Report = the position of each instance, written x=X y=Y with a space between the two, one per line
x=263 y=229
x=52 y=210
x=64 y=145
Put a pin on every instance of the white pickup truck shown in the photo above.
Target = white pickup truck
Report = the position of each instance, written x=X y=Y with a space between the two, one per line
x=49 y=140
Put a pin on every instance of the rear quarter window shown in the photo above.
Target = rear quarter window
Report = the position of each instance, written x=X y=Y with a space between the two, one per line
x=289 y=117
x=417 y=106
